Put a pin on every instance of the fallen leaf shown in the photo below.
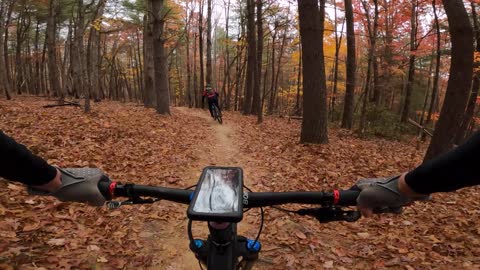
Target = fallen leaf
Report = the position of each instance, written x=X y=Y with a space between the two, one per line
x=434 y=239
x=328 y=264
x=300 y=235
x=93 y=248
x=30 y=201
x=363 y=235
x=31 y=227
x=56 y=242
x=102 y=260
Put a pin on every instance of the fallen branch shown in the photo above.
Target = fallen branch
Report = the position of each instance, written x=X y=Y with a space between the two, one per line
x=65 y=103
x=294 y=118
x=422 y=128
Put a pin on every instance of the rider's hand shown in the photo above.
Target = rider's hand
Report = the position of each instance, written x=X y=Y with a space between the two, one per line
x=76 y=185
x=385 y=195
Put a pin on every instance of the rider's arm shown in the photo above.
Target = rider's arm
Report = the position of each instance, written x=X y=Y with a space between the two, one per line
x=451 y=171
x=18 y=164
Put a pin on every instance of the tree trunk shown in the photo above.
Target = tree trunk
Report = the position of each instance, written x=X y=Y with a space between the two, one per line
x=53 y=73
x=3 y=72
x=279 y=66
x=238 y=71
x=468 y=116
x=338 y=43
x=411 y=64
x=271 y=103
x=8 y=69
x=19 y=65
x=387 y=64
x=78 y=61
x=427 y=92
x=299 y=77
x=265 y=78
x=93 y=51
x=139 y=65
x=257 y=101
x=226 y=85
x=371 y=58
x=377 y=94
x=195 y=86
x=161 y=67
x=190 y=95
x=347 y=120
x=459 y=82
x=200 y=53
x=315 y=118
x=150 y=98
x=42 y=67
x=66 y=83
x=36 y=59
x=209 y=44
x=252 y=56
x=436 y=76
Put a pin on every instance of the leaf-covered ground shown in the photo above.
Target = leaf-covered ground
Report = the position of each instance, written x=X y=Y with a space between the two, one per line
x=134 y=144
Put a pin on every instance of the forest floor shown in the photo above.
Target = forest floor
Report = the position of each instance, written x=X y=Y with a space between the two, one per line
x=134 y=144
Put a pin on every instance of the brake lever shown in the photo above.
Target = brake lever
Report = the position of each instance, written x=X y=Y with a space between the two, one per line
x=329 y=214
x=136 y=200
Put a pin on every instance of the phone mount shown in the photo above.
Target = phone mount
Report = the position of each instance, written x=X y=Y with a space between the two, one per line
x=218 y=196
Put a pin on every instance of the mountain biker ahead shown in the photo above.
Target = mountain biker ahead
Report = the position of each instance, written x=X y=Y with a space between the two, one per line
x=212 y=96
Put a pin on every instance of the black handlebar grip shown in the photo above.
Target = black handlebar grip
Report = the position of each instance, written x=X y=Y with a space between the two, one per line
x=348 y=197
x=104 y=187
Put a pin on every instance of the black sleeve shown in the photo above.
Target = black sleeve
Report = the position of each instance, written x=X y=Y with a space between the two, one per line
x=451 y=171
x=18 y=164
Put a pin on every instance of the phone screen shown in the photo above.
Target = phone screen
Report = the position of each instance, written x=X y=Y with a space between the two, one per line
x=219 y=194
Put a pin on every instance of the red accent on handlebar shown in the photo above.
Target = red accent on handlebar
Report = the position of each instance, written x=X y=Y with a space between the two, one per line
x=336 y=196
x=111 y=189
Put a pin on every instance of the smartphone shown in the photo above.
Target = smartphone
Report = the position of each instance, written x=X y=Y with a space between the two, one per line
x=218 y=195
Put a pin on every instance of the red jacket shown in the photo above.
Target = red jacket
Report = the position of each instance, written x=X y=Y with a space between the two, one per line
x=213 y=94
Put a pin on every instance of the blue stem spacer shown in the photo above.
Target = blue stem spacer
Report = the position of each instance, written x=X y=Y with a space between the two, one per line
x=198 y=243
x=253 y=245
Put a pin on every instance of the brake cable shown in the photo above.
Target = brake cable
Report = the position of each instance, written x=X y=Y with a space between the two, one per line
x=262 y=220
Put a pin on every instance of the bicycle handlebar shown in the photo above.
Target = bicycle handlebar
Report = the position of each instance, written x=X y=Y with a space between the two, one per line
x=251 y=199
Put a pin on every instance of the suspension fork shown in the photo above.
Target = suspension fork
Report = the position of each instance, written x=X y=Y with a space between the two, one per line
x=223 y=248
x=218 y=251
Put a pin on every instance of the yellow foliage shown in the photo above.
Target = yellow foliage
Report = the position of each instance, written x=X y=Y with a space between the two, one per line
x=476 y=62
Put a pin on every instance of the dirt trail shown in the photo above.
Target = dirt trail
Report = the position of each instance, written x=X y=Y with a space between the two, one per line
x=169 y=240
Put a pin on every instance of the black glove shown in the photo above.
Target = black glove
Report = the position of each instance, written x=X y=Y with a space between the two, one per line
x=382 y=195
x=78 y=185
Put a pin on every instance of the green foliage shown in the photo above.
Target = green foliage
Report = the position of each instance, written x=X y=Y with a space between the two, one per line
x=135 y=10
x=381 y=122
